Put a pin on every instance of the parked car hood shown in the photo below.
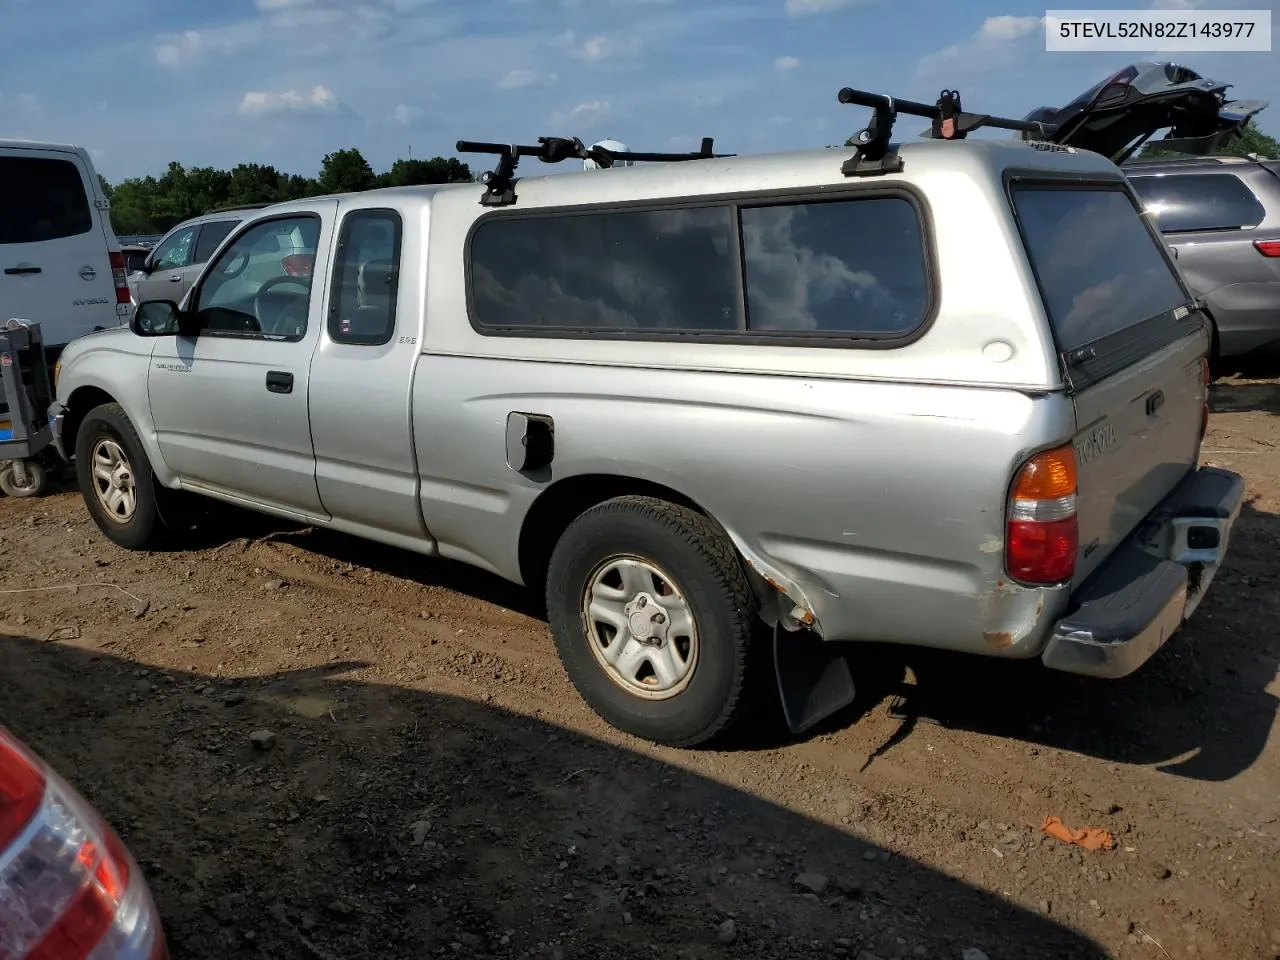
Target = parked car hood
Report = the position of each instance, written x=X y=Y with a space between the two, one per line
x=1118 y=115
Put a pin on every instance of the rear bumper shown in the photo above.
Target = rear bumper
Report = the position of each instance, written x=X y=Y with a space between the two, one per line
x=1150 y=586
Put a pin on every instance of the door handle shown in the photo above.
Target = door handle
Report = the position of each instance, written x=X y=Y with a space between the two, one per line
x=278 y=381
x=175 y=278
x=22 y=269
x=1155 y=402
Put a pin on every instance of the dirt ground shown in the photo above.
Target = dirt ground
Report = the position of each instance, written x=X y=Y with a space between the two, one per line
x=436 y=788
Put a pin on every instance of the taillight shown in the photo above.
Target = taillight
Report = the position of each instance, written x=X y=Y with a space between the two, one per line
x=1268 y=248
x=1042 y=533
x=68 y=888
x=21 y=789
x=298 y=264
x=121 y=276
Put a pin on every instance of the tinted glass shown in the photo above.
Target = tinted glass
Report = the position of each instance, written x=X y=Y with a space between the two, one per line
x=366 y=278
x=41 y=200
x=175 y=250
x=1209 y=201
x=211 y=234
x=1100 y=269
x=622 y=270
x=261 y=281
x=846 y=267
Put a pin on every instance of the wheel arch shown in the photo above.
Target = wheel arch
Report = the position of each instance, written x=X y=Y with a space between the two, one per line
x=781 y=598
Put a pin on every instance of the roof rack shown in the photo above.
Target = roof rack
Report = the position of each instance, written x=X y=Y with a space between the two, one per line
x=872 y=153
x=500 y=181
x=239 y=206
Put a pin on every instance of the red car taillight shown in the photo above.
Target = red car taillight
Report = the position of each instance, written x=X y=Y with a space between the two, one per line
x=1042 y=534
x=120 y=275
x=68 y=888
x=1268 y=248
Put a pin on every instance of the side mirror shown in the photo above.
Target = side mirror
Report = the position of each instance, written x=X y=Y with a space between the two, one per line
x=160 y=318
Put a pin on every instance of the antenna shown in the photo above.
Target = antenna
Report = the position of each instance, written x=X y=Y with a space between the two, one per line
x=872 y=153
x=500 y=181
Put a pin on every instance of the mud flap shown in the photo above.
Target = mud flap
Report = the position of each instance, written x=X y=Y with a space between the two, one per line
x=813 y=678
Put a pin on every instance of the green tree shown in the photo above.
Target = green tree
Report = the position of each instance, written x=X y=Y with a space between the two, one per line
x=409 y=173
x=347 y=170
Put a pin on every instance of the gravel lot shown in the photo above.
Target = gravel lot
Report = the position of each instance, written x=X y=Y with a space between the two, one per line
x=428 y=783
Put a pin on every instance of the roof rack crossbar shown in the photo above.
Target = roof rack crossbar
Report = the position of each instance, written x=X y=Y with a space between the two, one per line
x=500 y=181
x=871 y=146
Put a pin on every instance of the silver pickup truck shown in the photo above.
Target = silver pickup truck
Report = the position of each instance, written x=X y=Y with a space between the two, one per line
x=728 y=413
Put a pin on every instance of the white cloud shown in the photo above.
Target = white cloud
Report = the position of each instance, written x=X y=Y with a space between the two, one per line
x=786 y=63
x=799 y=8
x=404 y=114
x=995 y=45
x=587 y=112
x=520 y=79
x=269 y=5
x=320 y=99
x=603 y=47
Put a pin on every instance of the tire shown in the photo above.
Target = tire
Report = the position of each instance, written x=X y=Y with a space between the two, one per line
x=108 y=440
x=37 y=480
x=708 y=634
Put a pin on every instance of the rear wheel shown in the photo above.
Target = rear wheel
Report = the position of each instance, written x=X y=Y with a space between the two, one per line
x=654 y=620
x=115 y=478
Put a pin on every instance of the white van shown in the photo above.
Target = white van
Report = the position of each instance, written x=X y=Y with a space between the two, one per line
x=60 y=262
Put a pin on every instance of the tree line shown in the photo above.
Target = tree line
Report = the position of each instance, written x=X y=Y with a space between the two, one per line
x=151 y=205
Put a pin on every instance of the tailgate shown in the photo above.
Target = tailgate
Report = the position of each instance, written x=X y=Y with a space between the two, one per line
x=1131 y=345
x=1138 y=436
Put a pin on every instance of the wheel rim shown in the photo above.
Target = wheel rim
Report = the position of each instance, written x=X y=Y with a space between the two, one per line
x=113 y=480
x=29 y=479
x=640 y=627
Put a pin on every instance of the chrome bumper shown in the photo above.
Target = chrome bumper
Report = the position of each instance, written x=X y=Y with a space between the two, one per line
x=1149 y=587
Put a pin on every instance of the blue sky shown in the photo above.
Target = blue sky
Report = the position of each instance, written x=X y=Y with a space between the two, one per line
x=285 y=81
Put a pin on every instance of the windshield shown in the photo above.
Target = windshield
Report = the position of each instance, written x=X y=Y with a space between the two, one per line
x=1099 y=267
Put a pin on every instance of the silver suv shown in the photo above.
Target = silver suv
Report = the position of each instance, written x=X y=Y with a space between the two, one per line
x=1222 y=217
x=176 y=259
x=727 y=414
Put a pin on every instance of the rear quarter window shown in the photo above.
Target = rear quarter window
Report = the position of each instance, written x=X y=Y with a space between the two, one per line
x=1099 y=268
x=1182 y=203
x=42 y=199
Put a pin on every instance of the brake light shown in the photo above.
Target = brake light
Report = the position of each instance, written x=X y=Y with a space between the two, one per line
x=120 y=276
x=1042 y=533
x=298 y=264
x=1268 y=248
x=68 y=888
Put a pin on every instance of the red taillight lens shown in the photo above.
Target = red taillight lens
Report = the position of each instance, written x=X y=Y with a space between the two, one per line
x=68 y=888
x=21 y=789
x=120 y=276
x=1042 y=534
x=298 y=264
x=1268 y=248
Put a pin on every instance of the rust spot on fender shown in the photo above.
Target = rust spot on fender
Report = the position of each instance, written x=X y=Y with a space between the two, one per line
x=999 y=639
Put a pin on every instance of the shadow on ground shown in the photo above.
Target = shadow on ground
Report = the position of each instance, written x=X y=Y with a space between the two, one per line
x=1200 y=708
x=391 y=823
x=1245 y=385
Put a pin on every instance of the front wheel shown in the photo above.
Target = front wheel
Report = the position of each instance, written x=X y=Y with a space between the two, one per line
x=654 y=620
x=115 y=478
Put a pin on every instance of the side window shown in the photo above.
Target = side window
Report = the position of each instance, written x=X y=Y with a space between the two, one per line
x=366 y=278
x=175 y=250
x=659 y=270
x=211 y=234
x=836 y=267
x=1208 y=201
x=261 y=281
x=42 y=199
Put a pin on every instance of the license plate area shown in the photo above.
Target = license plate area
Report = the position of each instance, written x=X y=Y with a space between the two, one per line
x=1198 y=540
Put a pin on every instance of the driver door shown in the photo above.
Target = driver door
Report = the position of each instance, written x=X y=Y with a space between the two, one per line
x=229 y=403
